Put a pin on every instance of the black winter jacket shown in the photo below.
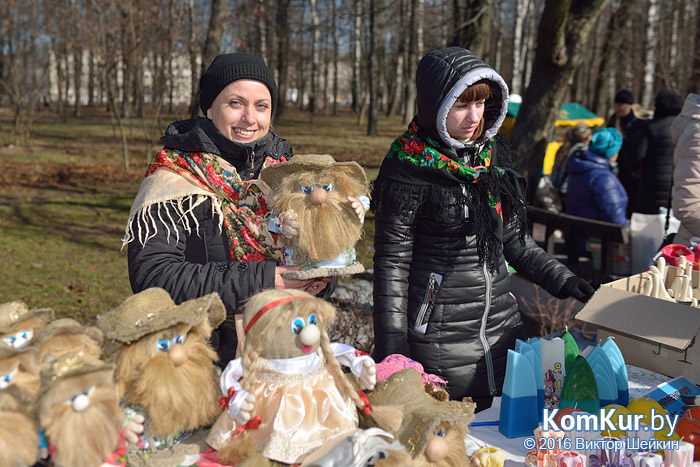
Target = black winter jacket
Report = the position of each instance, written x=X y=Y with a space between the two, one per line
x=200 y=263
x=434 y=301
x=655 y=146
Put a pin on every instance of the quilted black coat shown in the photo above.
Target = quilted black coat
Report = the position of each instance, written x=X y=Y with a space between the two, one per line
x=434 y=300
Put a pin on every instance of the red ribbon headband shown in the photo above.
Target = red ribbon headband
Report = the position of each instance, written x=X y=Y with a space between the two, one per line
x=264 y=309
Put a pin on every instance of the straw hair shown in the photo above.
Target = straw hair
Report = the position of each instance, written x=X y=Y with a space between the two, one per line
x=176 y=398
x=19 y=439
x=328 y=229
x=86 y=437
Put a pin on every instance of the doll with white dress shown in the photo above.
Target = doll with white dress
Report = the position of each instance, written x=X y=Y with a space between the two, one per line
x=288 y=394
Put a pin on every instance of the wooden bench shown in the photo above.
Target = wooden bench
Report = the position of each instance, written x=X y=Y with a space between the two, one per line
x=574 y=229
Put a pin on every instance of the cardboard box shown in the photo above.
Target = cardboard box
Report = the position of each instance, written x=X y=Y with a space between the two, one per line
x=655 y=334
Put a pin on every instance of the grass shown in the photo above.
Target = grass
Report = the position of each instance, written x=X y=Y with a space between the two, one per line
x=65 y=201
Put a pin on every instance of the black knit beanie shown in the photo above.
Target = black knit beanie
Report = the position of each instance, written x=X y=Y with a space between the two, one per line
x=227 y=68
x=624 y=97
x=667 y=103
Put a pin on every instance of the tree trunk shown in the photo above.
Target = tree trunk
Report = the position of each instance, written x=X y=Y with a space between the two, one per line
x=334 y=35
x=516 y=84
x=356 y=54
x=472 y=25
x=315 y=39
x=415 y=22
x=282 y=53
x=212 y=45
x=77 y=79
x=373 y=72
x=650 y=60
x=611 y=46
x=262 y=29
x=694 y=83
x=91 y=78
x=561 y=42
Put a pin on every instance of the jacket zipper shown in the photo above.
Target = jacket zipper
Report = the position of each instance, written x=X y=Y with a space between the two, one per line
x=252 y=160
x=428 y=299
x=482 y=332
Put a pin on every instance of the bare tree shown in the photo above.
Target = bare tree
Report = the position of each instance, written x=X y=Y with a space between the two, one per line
x=694 y=83
x=414 y=50
x=521 y=9
x=315 y=39
x=373 y=71
x=109 y=72
x=650 y=60
x=24 y=60
x=472 y=25
x=212 y=45
x=561 y=42
x=282 y=53
x=356 y=54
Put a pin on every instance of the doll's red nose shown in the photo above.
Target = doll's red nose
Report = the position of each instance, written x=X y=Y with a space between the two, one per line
x=437 y=449
x=178 y=355
x=318 y=196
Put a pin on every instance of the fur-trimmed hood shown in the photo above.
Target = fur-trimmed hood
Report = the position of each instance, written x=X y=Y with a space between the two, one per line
x=441 y=77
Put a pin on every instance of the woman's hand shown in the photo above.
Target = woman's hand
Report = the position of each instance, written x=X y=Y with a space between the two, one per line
x=312 y=286
x=358 y=208
x=289 y=223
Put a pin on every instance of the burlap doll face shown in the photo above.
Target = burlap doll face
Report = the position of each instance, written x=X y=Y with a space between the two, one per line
x=328 y=225
x=290 y=329
x=444 y=447
x=170 y=373
x=81 y=415
x=19 y=325
x=20 y=368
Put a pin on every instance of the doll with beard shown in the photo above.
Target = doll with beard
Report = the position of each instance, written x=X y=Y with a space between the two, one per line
x=78 y=411
x=66 y=335
x=20 y=368
x=19 y=325
x=288 y=395
x=19 y=439
x=433 y=427
x=321 y=206
x=164 y=364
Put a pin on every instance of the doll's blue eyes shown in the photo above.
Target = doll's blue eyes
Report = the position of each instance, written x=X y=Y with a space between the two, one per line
x=313 y=319
x=164 y=345
x=7 y=378
x=87 y=392
x=440 y=432
x=308 y=189
x=297 y=325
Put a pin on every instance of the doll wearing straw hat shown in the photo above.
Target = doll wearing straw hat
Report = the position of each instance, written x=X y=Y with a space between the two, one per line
x=19 y=325
x=321 y=205
x=78 y=409
x=164 y=364
x=287 y=395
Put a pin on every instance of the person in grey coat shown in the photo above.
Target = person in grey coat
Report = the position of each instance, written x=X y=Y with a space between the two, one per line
x=449 y=214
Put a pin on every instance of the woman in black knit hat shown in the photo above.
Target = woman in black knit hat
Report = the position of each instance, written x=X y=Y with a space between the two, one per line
x=194 y=228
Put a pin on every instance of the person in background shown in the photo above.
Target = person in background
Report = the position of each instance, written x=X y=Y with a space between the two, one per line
x=577 y=139
x=627 y=120
x=449 y=214
x=594 y=190
x=685 y=131
x=654 y=146
x=190 y=230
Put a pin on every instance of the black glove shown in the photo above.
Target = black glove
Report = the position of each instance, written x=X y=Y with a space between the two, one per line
x=577 y=288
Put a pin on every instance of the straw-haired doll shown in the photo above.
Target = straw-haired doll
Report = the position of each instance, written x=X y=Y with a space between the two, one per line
x=288 y=394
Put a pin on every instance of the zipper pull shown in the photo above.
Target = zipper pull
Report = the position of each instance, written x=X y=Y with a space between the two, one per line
x=431 y=292
x=252 y=160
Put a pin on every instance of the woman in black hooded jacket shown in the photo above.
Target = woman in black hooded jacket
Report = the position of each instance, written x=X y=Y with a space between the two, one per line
x=449 y=213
